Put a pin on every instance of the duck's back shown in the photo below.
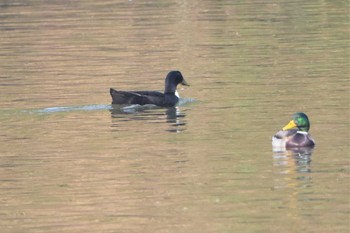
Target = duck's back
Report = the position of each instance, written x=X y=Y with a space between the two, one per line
x=142 y=98
x=300 y=140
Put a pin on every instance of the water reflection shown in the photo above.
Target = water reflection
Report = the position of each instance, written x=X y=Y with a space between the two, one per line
x=293 y=178
x=173 y=116
x=292 y=168
x=298 y=159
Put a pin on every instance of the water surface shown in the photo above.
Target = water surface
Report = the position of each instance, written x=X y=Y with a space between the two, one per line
x=71 y=162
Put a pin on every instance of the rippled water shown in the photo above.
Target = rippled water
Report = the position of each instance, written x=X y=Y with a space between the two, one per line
x=71 y=162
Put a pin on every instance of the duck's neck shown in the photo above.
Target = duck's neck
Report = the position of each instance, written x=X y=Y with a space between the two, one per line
x=304 y=128
x=302 y=132
x=169 y=86
x=173 y=93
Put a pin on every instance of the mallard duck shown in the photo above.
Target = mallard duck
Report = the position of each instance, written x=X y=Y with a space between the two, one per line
x=167 y=99
x=295 y=133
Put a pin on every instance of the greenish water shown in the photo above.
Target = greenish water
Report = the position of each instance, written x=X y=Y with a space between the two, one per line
x=70 y=162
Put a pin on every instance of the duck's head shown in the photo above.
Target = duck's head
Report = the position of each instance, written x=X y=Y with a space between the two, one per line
x=300 y=121
x=172 y=80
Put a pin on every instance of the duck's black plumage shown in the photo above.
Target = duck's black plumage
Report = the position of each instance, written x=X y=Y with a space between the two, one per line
x=166 y=99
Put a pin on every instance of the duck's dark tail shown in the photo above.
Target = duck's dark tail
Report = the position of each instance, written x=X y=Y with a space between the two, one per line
x=115 y=96
x=111 y=90
x=125 y=97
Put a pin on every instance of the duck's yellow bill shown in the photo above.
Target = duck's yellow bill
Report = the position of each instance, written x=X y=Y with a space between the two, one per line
x=290 y=125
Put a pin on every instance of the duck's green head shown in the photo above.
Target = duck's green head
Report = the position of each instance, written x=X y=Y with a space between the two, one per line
x=299 y=121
